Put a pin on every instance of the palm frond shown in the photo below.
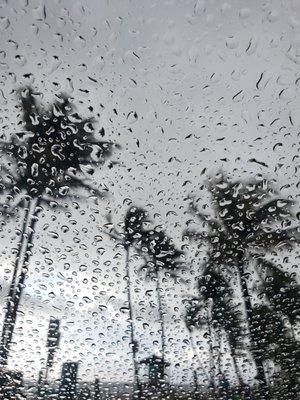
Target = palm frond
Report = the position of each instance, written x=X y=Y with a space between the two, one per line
x=193 y=318
x=195 y=235
x=272 y=211
x=281 y=289
x=212 y=285
x=56 y=140
x=160 y=252
x=76 y=182
x=268 y=239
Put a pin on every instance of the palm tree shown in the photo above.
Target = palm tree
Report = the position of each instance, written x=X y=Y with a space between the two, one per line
x=287 y=356
x=44 y=163
x=282 y=293
x=227 y=320
x=269 y=330
x=248 y=219
x=194 y=320
x=160 y=254
x=224 y=314
x=212 y=287
x=131 y=237
x=281 y=289
x=274 y=342
x=222 y=317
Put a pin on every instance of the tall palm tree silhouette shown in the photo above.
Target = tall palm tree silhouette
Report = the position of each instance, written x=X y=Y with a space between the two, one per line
x=213 y=289
x=229 y=320
x=281 y=289
x=193 y=321
x=214 y=310
x=160 y=254
x=225 y=318
x=282 y=292
x=130 y=237
x=269 y=330
x=274 y=342
x=249 y=219
x=44 y=163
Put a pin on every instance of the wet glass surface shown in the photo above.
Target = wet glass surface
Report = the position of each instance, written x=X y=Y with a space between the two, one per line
x=149 y=211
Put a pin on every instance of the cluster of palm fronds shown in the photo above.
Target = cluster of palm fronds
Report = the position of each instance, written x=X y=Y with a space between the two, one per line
x=249 y=222
x=158 y=253
x=55 y=155
x=42 y=164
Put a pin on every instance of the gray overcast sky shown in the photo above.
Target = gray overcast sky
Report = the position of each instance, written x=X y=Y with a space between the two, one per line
x=207 y=80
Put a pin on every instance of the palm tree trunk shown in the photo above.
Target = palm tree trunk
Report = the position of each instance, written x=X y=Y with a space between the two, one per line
x=17 y=284
x=236 y=369
x=235 y=365
x=292 y=329
x=219 y=358
x=22 y=242
x=196 y=385
x=258 y=361
x=161 y=317
x=211 y=351
x=133 y=343
x=196 y=354
x=12 y=287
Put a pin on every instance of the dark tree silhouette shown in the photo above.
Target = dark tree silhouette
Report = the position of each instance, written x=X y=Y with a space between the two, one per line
x=281 y=289
x=228 y=319
x=214 y=310
x=193 y=321
x=161 y=255
x=225 y=318
x=131 y=236
x=44 y=165
x=273 y=341
x=249 y=220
